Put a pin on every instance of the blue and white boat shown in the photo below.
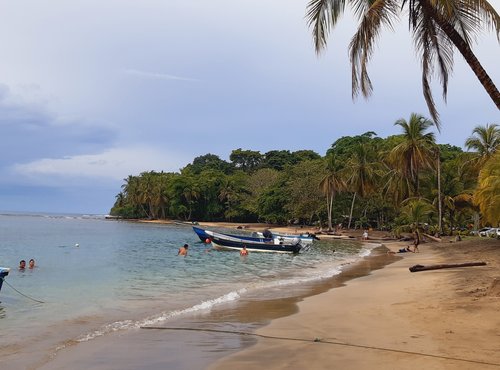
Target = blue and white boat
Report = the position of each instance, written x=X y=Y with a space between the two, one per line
x=205 y=234
x=4 y=271
x=266 y=237
x=223 y=241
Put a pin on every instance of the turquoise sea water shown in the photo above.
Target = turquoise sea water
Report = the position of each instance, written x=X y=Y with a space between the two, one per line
x=97 y=277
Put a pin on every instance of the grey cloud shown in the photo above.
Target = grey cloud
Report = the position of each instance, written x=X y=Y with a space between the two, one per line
x=29 y=131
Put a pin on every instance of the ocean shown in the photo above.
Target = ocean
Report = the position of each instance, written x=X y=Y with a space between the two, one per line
x=96 y=277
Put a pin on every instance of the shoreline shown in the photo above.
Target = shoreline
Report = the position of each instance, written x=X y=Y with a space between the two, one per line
x=348 y=234
x=158 y=349
x=442 y=319
x=374 y=313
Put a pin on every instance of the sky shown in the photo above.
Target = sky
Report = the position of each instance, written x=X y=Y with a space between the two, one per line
x=93 y=91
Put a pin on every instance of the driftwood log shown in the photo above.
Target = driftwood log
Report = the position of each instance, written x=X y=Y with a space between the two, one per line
x=417 y=268
x=433 y=238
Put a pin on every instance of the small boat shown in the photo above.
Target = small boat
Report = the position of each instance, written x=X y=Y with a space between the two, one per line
x=222 y=241
x=202 y=234
x=266 y=237
x=304 y=238
x=4 y=271
x=205 y=234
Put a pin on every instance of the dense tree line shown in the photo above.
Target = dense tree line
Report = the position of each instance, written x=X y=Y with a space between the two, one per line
x=402 y=181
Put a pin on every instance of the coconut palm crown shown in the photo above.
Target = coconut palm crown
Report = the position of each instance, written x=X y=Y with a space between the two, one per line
x=485 y=140
x=416 y=151
x=437 y=26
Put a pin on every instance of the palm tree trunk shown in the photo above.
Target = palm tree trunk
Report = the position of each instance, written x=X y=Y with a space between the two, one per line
x=352 y=207
x=330 y=209
x=465 y=50
x=476 y=221
x=440 y=210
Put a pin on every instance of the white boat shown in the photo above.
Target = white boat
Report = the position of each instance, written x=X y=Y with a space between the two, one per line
x=224 y=241
x=288 y=238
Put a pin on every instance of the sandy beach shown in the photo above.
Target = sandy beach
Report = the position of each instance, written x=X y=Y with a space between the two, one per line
x=441 y=319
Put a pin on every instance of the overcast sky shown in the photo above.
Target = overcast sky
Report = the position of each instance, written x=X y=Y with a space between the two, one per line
x=93 y=91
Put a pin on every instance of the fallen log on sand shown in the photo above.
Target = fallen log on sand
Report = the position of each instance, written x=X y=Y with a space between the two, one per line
x=433 y=238
x=417 y=268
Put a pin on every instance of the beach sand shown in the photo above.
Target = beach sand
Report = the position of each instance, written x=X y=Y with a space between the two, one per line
x=393 y=319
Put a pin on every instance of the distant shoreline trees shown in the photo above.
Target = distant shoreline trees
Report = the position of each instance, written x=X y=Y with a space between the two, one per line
x=367 y=178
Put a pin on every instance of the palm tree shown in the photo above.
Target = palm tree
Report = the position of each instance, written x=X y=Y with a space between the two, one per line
x=362 y=175
x=331 y=184
x=417 y=150
x=437 y=27
x=487 y=195
x=133 y=193
x=397 y=186
x=416 y=212
x=190 y=193
x=484 y=140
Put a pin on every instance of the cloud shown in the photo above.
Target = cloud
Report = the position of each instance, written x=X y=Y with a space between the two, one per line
x=30 y=130
x=156 y=76
x=109 y=165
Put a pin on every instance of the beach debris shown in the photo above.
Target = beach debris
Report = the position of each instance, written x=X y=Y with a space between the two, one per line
x=417 y=268
x=433 y=238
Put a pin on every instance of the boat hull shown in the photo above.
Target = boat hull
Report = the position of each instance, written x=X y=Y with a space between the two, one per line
x=251 y=246
x=202 y=234
x=4 y=271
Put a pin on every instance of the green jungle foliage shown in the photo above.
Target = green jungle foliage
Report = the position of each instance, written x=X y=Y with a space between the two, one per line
x=362 y=181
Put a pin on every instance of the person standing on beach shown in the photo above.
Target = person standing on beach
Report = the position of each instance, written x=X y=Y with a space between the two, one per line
x=416 y=241
x=183 y=251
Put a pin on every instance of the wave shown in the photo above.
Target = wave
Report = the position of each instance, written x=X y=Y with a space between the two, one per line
x=320 y=272
x=164 y=316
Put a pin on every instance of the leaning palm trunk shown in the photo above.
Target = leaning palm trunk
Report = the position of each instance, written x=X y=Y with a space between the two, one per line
x=465 y=50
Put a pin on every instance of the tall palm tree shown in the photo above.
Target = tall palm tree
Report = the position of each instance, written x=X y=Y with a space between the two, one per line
x=361 y=174
x=437 y=28
x=331 y=184
x=190 y=193
x=397 y=186
x=484 y=141
x=487 y=195
x=133 y=193
x=417 y=150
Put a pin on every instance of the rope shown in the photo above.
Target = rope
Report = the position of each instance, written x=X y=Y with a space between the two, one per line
x=24 y=295
x=326 y=342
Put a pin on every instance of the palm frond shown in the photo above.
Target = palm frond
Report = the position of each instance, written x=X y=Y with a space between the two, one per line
x=380 y=13
x=322 y=15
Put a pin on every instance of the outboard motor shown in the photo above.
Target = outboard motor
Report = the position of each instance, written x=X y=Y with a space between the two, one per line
x=267 y=234
x=4 y=271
